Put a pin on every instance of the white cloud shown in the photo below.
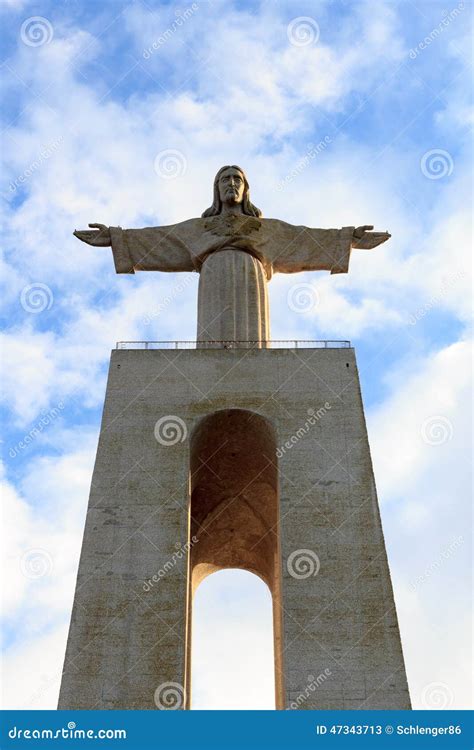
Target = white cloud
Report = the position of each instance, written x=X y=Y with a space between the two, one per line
x=32 y=671
x=42 y=526
x=46 y=515
x=426 y=421
x=421 y=438
x=436 y=650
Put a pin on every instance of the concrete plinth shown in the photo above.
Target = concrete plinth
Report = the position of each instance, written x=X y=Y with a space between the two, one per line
x=234 y=458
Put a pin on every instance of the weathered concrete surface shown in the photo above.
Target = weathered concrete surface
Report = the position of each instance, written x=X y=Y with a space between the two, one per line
x=322 y=548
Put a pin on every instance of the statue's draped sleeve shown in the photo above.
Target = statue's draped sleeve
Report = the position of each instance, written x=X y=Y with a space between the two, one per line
x=152 y=249
x=291 y=249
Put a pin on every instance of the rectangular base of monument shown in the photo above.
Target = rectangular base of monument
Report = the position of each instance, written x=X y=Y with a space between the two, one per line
x=129 y=636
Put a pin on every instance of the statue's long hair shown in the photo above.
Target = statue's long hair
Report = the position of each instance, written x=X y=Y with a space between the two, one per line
x=247 y=207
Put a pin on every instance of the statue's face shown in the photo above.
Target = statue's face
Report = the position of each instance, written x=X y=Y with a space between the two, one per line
x=231 y=186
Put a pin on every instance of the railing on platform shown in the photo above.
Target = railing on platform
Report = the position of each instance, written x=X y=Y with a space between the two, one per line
x=271 y=344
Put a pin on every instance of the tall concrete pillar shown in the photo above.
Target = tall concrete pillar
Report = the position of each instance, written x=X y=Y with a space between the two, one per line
x=255 y=459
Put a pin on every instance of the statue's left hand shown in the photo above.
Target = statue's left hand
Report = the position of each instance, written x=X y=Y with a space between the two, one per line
x=100 y=238
x=363 y=238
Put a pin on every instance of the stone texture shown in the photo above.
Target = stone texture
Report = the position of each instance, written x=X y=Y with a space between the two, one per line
x=297 y=496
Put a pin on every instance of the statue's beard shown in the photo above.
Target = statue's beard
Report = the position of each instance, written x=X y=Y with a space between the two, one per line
x=232 y=196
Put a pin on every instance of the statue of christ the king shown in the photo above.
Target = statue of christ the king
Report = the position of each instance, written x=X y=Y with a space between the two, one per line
x=235 y=251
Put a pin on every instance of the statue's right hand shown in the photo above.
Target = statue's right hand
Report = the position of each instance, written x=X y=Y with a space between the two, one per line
x=100 y=238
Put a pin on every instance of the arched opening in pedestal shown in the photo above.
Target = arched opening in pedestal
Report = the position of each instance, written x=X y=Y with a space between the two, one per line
x=234 y=510
x=232 y=656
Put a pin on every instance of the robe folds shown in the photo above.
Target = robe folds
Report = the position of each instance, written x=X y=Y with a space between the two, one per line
x=236 y=256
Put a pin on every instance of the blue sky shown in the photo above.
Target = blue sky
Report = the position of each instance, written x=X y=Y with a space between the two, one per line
x=94 y=94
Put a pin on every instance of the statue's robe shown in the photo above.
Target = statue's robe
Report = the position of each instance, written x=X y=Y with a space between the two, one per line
x=235 y=256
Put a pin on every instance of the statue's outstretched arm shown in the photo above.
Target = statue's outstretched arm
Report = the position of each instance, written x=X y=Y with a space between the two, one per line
x=147 y=249
x=292 y=249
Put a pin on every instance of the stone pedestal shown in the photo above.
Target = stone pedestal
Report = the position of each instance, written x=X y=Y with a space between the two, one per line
x=234 y=458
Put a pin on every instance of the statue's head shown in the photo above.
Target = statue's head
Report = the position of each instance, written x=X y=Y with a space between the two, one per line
x=231 y=186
